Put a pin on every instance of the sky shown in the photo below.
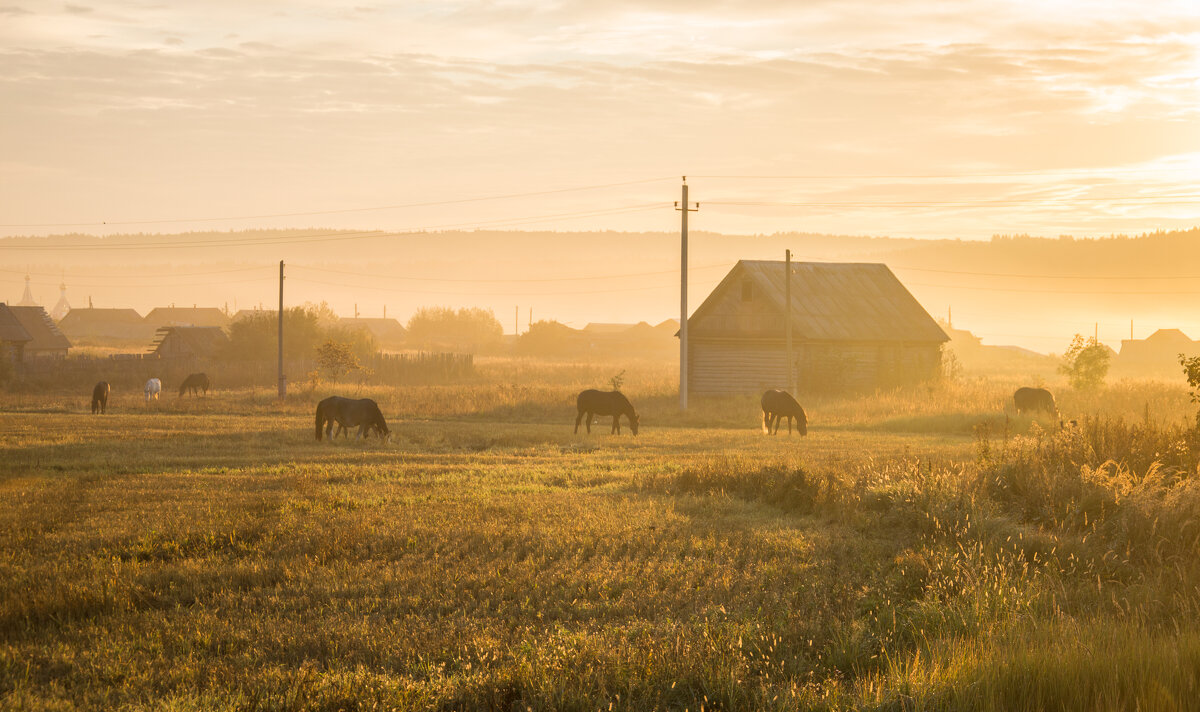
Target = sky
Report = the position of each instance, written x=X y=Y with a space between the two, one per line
x=908 y=118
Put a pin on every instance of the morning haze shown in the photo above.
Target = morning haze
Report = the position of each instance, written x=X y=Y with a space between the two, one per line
x=922 y=434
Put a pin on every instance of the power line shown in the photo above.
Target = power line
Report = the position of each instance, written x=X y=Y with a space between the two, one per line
x=433 y=203
x=939 y=176
x=1049 y=291
x=488 y=294
x=985 y=203
x=172 y=275
x=511 y=281
x=1039 y=276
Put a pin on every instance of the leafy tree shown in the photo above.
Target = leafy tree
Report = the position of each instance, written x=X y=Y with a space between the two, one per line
x=1191 y=369
x=336 y=358
x=1085 y=364
x=469 y=329
x=256 y=337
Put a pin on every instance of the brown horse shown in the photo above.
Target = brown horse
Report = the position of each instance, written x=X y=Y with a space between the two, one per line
x=1033 y=400
x=195 y=382
x=592 y=402
x=348 y=413
x=777 y=405
x=100 y=397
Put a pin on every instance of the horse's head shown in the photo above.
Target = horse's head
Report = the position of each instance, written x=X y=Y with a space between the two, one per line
x=633 y=423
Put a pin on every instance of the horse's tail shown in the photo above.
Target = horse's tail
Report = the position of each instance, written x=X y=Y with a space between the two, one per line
x=320 y=421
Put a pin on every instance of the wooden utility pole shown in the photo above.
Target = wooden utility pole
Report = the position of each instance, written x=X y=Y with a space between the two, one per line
x=684 y=209
x=787 y=299
x=282 y=378
x=517 y=320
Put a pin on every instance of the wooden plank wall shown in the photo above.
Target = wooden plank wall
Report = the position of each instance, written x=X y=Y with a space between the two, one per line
x=725 y=368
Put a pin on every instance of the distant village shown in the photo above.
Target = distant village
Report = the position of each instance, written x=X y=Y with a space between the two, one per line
x=31 y=335
x=856 y=326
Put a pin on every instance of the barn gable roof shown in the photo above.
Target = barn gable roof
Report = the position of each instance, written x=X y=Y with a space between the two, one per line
x=45 y=335
x=381 y=327
x=86 y=317
x=201 y=341
x=10 y=327
x=187 y=316
x=832 y=301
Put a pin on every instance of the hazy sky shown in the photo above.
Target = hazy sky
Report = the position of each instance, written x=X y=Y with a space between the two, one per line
x=1079 y=117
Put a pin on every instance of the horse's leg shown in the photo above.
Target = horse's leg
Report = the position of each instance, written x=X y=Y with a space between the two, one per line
x=578 y=418
x=789 y=424
x=589 y=421
x=616 y=426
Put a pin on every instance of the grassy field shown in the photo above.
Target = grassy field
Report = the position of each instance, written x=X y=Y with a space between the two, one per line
x=919 y=550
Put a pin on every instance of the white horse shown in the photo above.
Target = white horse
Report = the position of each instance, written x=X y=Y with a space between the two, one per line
x=153 y=388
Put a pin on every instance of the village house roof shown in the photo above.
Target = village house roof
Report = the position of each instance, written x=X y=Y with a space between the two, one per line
x=606 y=328
x=45 y=336
x=10 y=327
x=96 y=321
x=830 y=302
x=186 y=316
x=200 y=341
x=384 y=328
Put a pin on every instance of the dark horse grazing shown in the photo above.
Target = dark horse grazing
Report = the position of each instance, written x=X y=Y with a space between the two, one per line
x=348 y=413
x=1032 y=400
x=777 y=405
x=592 y=402
x=195 y=382
x=100 y=397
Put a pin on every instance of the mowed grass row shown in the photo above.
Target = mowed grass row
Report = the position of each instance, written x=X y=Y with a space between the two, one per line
x=193 y=560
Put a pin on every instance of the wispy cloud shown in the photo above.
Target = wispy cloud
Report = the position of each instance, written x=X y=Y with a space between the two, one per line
x=317 y=103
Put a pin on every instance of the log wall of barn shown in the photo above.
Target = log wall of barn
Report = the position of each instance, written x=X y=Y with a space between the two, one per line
x=734 y=367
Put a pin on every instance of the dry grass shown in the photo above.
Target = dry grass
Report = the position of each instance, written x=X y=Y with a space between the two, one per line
x=211 y=555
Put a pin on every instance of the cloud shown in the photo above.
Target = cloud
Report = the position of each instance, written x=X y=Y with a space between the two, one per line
x=296 y=111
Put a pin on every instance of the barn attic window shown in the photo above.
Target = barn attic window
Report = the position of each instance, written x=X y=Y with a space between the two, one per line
x=747 y=290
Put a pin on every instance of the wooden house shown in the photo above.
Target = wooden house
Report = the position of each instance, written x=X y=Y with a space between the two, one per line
x=1157 y=354
x=105 y=325
x=186 y=316
x=46 y=341
x=13 y=336
x=202 y=342
x=387 y=331
x=854 y=327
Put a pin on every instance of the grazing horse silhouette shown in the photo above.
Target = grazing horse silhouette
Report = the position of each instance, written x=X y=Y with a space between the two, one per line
x=153 y=388
x=777 y=405
x=100 y=397
x=1033 y=400
x=348 y=413
x=614 y=403
x=195 y=382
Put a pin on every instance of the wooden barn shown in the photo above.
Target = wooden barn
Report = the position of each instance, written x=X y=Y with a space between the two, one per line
x=46 y=341
x=203 y=342
x=388 y=332
x=186 y=316
x=13 y=336
x=854 y=327
x=105 y=325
